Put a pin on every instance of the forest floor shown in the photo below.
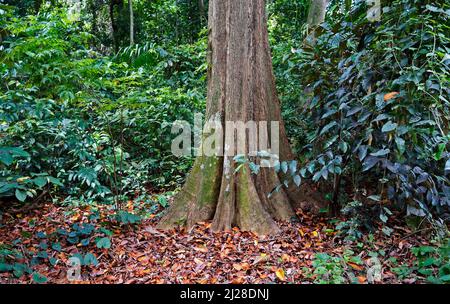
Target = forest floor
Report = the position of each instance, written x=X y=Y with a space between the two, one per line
x=307 y=251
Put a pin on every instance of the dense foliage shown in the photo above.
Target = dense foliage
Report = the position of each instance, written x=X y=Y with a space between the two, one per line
x=78 y=121
x=372 y=112
x=366 y=103
x=86 y=112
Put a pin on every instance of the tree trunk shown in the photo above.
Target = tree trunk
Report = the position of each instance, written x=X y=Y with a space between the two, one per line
x=201 y=9
x=113 y=25
x=130 y=7
x=317 y=11
x=94 y=8
x=316 y=16
x=37 y=6
x=241 y=87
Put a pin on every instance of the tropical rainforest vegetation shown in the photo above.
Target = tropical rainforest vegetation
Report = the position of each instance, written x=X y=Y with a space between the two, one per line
x=89 y=91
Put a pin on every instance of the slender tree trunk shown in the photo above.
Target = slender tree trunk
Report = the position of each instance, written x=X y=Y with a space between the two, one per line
x=113 y=24
x=37 y=6
x=94 y=9
x=130 y=7
x=201 y=9
x=241 y=87
x=316 y=16
x=317 y=11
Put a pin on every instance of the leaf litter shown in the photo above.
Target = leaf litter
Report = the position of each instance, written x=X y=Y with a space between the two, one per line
x=142 y=254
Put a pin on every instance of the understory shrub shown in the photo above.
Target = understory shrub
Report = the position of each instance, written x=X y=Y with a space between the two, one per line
x=374 y=105
x=82 y=125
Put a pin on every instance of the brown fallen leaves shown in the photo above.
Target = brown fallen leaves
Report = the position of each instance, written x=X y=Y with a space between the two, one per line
x=390 y=95
x=142 y=254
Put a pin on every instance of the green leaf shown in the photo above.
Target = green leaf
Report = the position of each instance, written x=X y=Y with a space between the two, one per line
x=277 y=166
x=381 y=152
x=128 y=218
x=6 y=158
x=19 y=269
x=445 y=278
x=104 y=243
x=39 y=278
x=297 y=180
x=343 y=146
x=362 y=152
x=387 y=231
x=57 y=247
x=434 y=9
x=293 y=166
x=447 y=165
x=240 y=158
x=163 y=201
x=106 y=231
x=388 y=127
x=328 y=127
x=254 y=168
x=19 y=152
x=21 y=195
x=438 y=154
x=330 y=142
x=5 y=267
x=317 y=176
x=53 y=261
x=6 y=187
x=238 y=168
x=7 y=154
x=400 y=144
x=55 y=181
x=90 y=259
x=40 y=181
x=376 y=198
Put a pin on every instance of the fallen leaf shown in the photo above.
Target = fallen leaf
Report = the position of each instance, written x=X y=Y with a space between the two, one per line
x=285 y=257
x=201 y=249
x=280 y=274
x=261 y=258
x=239 y=280
x=389 y=96
x=355 y=266
x=154 y=231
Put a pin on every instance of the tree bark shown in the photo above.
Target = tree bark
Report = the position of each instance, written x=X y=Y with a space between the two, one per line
x=94 y=8
x=201 y=9
x=130 y=7
x=113 y=24
x=37 y=6
x=241 y=87
x=316 y=16
x=317 y=12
